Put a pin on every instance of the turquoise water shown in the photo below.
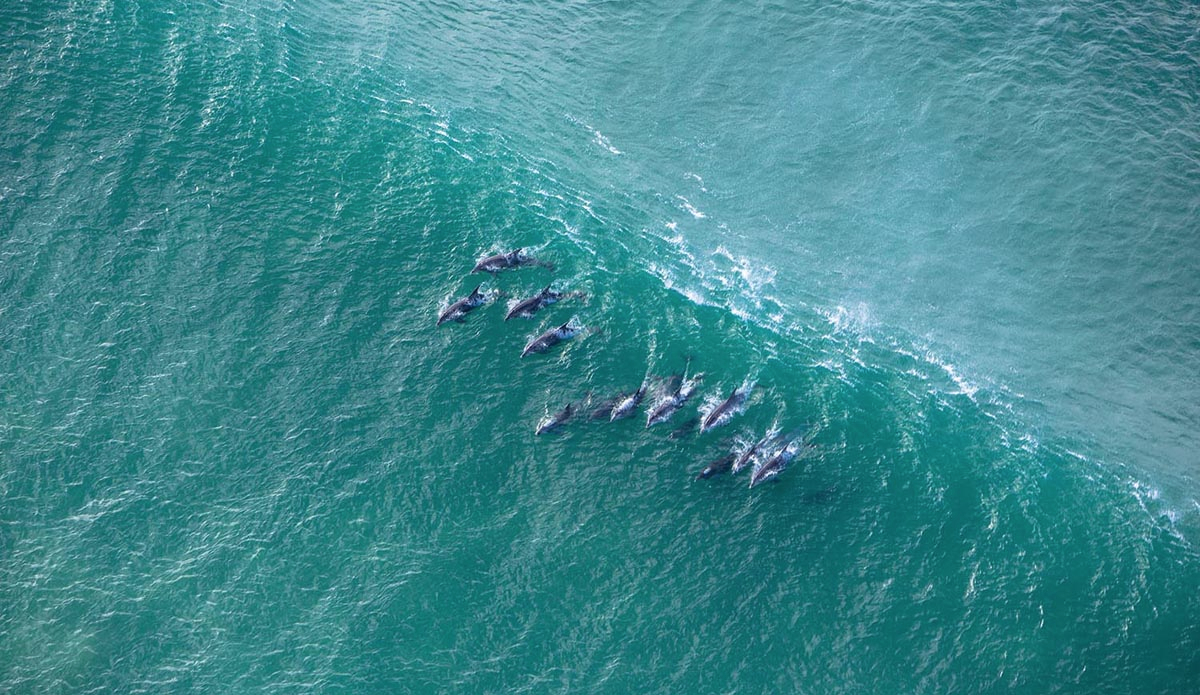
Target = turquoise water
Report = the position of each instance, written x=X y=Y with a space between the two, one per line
x=956 y=240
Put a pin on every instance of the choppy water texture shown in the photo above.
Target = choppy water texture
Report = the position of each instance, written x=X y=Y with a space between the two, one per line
x=958 y=239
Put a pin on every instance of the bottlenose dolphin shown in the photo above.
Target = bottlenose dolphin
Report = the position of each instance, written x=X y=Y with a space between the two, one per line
x=673 y=401
x=748 y=456
x=459 y=309
x=552 y=337
x=625 y=407
x=729 y=407
x=685 y=429
x=778 y=461
x=604 y=410
x=556 y=420
x=718 y=466
x=504 y=261
x=527 y=307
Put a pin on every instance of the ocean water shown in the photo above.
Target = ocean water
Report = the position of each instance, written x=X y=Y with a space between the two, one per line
x=954 y=242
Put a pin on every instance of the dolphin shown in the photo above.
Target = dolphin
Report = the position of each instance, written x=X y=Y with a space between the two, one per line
x=527 y=307
x=718 y=466
x=673 y=401
x=779 y=461
x=556 y=420
x=550 y=338
x=685 y=429
x=603 y=411
x=729 y=407
x=747 y=457
x=625 y=407
x=459 y=309
x=504 y=261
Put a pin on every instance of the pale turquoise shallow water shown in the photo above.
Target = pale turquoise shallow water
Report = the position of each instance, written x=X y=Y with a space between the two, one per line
x=238 y=456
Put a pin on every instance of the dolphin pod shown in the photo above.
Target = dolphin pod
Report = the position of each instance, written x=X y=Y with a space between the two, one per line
x=769 y=456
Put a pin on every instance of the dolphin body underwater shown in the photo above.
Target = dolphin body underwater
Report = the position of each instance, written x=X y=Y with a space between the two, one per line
x=718 y=466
